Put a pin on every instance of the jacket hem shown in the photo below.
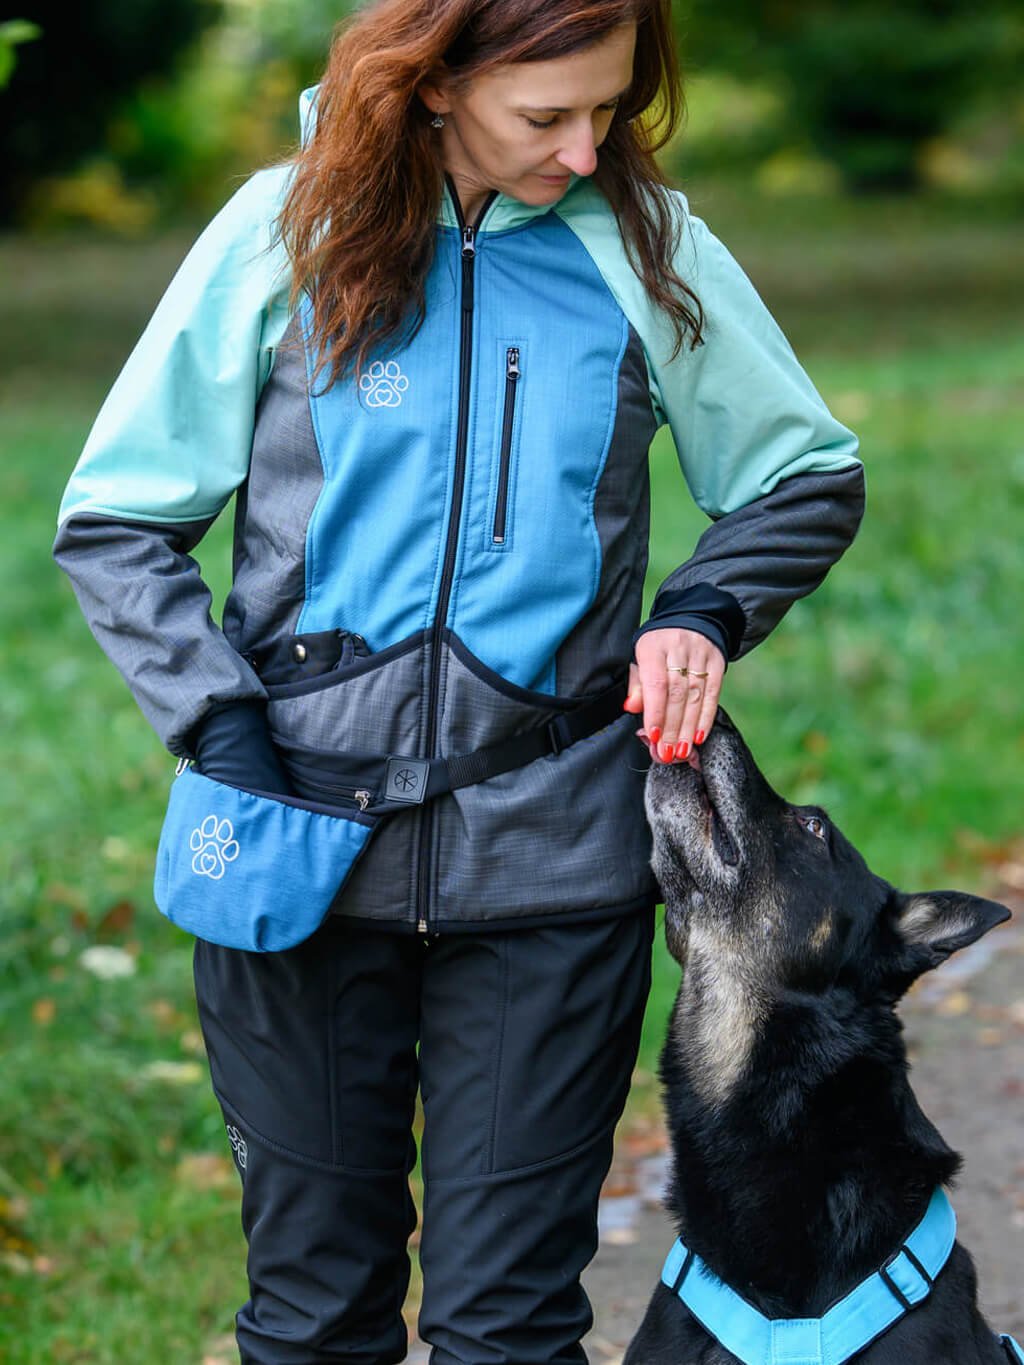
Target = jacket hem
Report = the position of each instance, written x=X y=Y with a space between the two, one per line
x=439 y=925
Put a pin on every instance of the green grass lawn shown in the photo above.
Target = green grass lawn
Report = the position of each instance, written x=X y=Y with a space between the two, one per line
x=891 y=696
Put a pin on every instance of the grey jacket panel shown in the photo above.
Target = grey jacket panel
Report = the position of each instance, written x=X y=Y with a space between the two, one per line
x=598 y=650
x=148 y=607
x=775 y=550
x=562 y=834
x=274 y=506
x=583 y=807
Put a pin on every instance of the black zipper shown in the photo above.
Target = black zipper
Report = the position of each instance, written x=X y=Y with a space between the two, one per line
x=455 y=515
x=512 y=373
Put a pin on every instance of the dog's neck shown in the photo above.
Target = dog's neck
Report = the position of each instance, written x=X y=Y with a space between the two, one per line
x=801 y=1157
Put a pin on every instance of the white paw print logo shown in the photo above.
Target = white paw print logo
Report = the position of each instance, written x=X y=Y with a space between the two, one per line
x=238 y=1145
x=213 y=846
x=384 y=384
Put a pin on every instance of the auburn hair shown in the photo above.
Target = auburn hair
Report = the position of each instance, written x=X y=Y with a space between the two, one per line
x=358 y=221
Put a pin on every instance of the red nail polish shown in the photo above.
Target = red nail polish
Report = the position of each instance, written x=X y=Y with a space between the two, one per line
x=669 y=752
x=699 y=737
x=682 y=750
x=655 y=733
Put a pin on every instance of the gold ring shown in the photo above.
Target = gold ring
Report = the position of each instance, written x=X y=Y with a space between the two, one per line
x=674 y=668
x=698 y=675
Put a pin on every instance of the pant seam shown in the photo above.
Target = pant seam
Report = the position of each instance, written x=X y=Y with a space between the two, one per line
x=499 y=1049
x=515 y=1172
x=273 y=1146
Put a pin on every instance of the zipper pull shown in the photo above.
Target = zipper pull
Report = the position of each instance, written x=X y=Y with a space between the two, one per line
x=512 y=363
x=182 y=763
x=468 y=242
x=363 y=798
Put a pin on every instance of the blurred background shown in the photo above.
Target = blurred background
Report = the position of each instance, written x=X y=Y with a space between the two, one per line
x=865 y=163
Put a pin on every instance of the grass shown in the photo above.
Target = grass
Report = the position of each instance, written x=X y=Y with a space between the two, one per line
x=890 y=696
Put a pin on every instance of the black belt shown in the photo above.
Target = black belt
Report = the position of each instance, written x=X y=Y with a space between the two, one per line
x=395 y=781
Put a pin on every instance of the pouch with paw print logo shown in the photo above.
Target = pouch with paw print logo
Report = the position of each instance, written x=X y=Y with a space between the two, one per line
x=251 y=870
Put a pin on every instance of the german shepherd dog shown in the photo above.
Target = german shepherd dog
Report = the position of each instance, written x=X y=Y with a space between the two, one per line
x=801 y=1159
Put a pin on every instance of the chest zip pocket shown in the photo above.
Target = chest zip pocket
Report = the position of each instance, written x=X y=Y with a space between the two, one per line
x=512 y=373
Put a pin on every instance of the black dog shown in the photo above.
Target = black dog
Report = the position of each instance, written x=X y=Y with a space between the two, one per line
x=801 y=1160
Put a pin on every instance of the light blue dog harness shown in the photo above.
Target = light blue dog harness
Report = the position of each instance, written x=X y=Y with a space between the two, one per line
x=850 y=1325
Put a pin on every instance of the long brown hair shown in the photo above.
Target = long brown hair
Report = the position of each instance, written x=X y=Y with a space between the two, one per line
x=359 y=219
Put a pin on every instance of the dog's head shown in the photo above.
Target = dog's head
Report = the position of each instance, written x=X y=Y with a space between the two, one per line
x=778 y=892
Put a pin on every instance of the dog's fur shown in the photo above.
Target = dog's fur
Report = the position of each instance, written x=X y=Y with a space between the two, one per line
x=801 y=1159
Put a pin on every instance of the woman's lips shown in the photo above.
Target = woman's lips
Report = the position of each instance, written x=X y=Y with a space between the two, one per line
x=555 y=179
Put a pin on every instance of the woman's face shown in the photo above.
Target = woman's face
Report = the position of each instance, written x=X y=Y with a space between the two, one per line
x=523 y=127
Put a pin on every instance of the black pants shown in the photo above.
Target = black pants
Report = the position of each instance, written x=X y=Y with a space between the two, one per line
x=527 y=1040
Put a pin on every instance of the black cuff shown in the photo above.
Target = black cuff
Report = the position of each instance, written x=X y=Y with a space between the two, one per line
x=710 y=611
x=232 y=744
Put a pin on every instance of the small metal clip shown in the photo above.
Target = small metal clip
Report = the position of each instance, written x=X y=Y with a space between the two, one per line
x=364 y=798
x=182 y=763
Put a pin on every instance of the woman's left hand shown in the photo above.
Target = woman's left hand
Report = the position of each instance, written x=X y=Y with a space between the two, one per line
x=675 y=683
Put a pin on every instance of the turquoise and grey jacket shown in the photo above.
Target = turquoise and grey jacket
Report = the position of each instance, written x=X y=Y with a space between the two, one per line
x=450 y=549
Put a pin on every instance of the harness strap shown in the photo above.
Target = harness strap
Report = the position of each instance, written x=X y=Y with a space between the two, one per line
x=850 y=1325
x=1014 y=1353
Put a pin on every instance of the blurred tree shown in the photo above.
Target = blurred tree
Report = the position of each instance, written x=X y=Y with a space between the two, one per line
x=13 y=32
x=866 y=83
x=91 y=54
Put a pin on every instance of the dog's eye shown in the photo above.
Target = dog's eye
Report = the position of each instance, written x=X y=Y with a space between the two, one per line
x=813 y=824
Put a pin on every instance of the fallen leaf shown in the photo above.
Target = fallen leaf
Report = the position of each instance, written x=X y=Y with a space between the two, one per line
x=117 y=919
x=44 y=1011
x=990 y=1037
x=205 y=1171
x=954 y=1004
x=174 y=1073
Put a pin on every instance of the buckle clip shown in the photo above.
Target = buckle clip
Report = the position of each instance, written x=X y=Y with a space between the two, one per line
x=903 y=1295
x=405 y=779
x=559 y=736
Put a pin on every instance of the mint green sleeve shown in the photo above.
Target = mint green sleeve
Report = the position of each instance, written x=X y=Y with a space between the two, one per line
x=743 y=412
x=172 y=441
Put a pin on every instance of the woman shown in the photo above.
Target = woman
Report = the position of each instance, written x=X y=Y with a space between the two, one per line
x=434 y=388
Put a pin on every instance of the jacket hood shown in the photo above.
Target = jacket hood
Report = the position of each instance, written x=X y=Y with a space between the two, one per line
x=504 y=211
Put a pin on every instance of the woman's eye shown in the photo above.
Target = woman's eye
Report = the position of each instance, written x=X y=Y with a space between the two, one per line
x=813 y=825
x=536 y=123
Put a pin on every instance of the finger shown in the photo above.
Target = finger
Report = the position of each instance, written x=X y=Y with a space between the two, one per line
x=650 y=657
x=635 y=698
x=712 y=692
x=675 y=707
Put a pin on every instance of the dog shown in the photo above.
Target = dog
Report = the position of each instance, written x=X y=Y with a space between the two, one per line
x=800 y=1158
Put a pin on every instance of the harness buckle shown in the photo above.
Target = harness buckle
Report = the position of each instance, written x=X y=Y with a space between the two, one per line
x=911 y=1292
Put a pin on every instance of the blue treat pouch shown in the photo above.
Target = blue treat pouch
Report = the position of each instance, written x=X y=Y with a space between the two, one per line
x=250 y=870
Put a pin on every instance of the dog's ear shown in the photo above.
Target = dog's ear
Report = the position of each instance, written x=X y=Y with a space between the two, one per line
x=923 y=929
x=944 y=921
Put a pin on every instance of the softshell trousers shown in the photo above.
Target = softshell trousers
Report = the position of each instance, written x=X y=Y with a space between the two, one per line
x=522 y=1044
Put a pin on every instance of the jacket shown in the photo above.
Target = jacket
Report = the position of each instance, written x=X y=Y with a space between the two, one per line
x=451 y=549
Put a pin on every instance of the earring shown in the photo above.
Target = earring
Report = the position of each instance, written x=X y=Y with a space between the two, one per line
x=437 y=121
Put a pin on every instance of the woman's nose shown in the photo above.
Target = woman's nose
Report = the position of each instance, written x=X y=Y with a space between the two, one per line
x=580 y=153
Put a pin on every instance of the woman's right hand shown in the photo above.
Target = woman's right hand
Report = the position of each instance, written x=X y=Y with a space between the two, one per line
x=233 y=745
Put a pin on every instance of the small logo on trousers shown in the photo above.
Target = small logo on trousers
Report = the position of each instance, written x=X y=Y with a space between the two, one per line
x=238 y=1145
x=384 y=384
x=213 y=846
